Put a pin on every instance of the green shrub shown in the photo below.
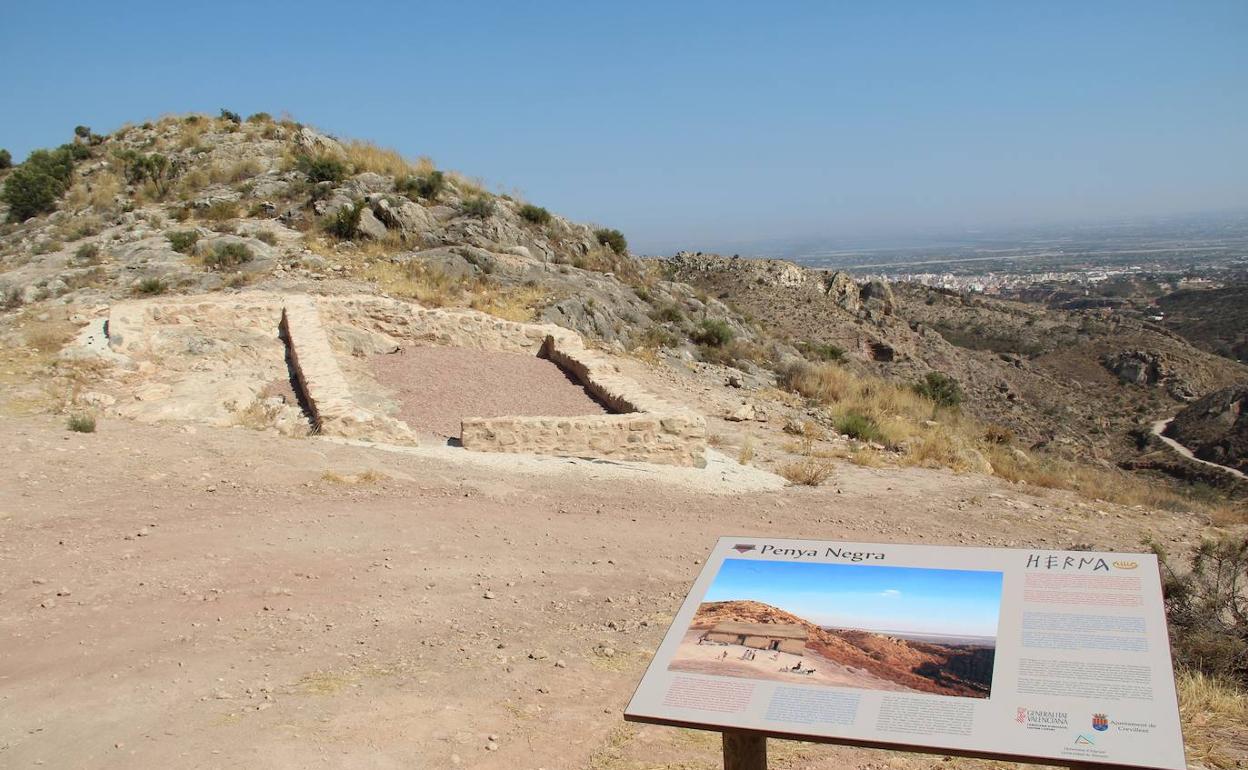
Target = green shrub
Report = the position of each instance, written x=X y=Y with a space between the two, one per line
x=821 y=351
x=344 y=224
x=228 y=256
x=859 y=426
x=1208 y=608
x=940 y=388
x=535 y=214
x=712 y=332
x=259 y=117
x=34 y=187
x=150 y=286
x=182 y=241
x=88 y=253
x=233 y=117
x=427 y=186
x=478 y=206
x=82 y=132
x=612 y=239
x=266 y=236
x=6 y=160
x=81 y=423
x=322 y=168
x=156 y=169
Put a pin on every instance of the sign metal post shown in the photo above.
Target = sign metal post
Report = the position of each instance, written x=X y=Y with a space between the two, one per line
x=744 y=751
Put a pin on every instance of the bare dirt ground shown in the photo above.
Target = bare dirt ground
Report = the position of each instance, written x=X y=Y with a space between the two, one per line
x=222 y=598
x=438 y=386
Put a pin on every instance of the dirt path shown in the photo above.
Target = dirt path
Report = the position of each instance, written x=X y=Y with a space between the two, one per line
x=217 y=598
x=1159 y=428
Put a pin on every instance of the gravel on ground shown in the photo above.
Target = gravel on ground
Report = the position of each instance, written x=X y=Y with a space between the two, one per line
x=436 y=387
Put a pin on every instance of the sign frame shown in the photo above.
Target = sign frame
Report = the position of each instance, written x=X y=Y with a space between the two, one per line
x=742 y=740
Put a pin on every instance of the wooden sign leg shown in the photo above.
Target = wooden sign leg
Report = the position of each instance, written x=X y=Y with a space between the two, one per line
x=744 y=751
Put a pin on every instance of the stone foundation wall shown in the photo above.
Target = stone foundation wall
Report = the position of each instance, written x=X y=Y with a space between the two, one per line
x=643 y=426
x=319 y=377
x=650 y=430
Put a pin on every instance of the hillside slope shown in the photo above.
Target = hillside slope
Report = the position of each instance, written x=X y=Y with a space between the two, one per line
x=1083 y=381
x=934 y=668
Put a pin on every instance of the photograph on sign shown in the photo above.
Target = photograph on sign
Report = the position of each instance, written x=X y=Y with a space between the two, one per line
x=902 y=629
x=1050 y=656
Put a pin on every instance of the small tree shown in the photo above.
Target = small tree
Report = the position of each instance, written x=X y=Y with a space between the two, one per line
x=34 y=187
x=82 y=132
x=612 y=239
x=6 y=160
x=232 y=117
x=322 y=168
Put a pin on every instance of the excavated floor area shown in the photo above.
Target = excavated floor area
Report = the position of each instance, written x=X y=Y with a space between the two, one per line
x=438 y=386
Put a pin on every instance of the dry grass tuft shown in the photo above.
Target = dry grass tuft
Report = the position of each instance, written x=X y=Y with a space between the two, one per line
x=1210 y=708
x=810 y=471
x=366 y=156
x=350 y=479
x=516 y=303
x=232 y=173
x=746 y=451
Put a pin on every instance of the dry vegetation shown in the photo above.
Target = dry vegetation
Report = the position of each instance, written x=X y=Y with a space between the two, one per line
x=913 y=430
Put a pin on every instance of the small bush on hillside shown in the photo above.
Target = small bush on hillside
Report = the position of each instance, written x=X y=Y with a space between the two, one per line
x=1207 y=605
x=259 y=117
x=822 y=351
x=34 y=187
x=535 y=214
x=427 y=186
x=859 y=426
x=182 y=241
x=232 y=117
x=712 y=332
x=940 y=388
x=228 y=256
x=612 y=239
x=344 y=224
x=998 y=434
x=669 y=313
x=150 y=286
x=82 y=132
x=155 y=169
x=478 y=206
x=87 y=253
x=6 y=159
x=322 y=168
x=220 y=211
x=81 y=423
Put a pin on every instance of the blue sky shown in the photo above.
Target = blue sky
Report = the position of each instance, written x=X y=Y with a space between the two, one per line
x=907 y=599
x=698 y=124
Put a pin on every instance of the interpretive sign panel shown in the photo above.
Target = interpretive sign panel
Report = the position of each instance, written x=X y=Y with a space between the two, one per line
x=1058 y=656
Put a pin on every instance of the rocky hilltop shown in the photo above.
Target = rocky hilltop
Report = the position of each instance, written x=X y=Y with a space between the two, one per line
x=935 y=668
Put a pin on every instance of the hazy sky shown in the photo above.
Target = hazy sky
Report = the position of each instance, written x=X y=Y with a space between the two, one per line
x=697 y=124
x=906 y=599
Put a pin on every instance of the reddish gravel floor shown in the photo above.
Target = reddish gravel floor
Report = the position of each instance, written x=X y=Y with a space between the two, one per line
x=437 y=386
